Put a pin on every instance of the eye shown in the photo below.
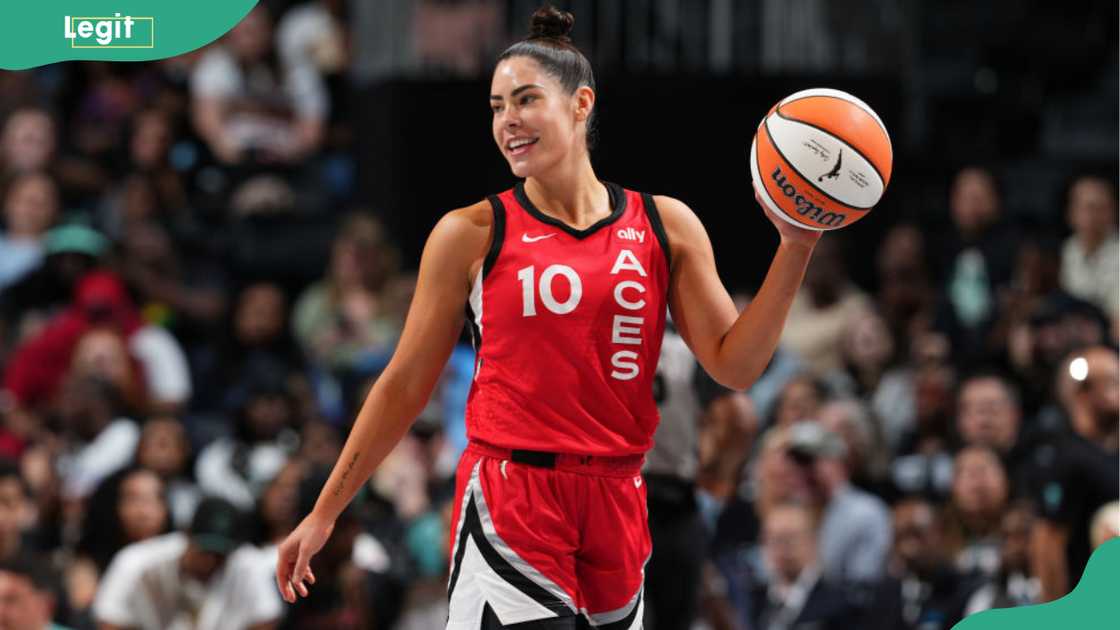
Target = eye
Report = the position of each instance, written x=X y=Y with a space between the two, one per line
x=528 y=98
x=495 y=107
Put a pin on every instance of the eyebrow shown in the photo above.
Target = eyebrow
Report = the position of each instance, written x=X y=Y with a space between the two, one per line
x=498 y=97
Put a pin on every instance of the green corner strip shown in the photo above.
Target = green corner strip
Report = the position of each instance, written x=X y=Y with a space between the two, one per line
x=1091 y=605
x=50 y=31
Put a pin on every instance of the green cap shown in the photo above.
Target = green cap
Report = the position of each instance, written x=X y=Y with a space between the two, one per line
x=216 y=526
x=75 y=238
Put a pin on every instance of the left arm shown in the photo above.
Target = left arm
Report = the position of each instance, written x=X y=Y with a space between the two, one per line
x=733 y=347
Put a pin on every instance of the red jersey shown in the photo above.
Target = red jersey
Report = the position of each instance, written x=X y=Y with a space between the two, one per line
x=567 y=326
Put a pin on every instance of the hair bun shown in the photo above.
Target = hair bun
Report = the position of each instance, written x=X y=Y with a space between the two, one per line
x=551 y=23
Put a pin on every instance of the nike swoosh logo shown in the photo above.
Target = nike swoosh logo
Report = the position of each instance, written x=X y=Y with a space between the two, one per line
x=525 y=238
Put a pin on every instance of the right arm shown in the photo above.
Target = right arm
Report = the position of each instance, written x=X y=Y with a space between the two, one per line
x=1048 y=558
x=435 y=319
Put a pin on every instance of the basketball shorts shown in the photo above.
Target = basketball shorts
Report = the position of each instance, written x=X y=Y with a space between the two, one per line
x=551 y=541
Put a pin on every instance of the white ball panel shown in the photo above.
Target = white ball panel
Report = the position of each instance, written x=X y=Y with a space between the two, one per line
x=827 y=162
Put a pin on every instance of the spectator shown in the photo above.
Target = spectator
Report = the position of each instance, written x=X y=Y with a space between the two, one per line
x=249 y=106
x=189 y=293
x=16 y=512
x=314 y=34
x=989 y=415
x=923 y=463
x=1014 y=584
x=149 y=150
x=342 y=321
x=825 y=307
x=923 y=590
x=1058 y=325
x=100 y=299
x=71 y=252
x=866 y=458
x=260 y=333
x=204 y=579
x=102 y=440
x=30 y=208
x=795 y=594
x=103 y=353
x=1077 y=473
x=28 y=595
x=905 y=297
x=237 y=467
x=980 y=494
x=165 y=450
x=855 y=529
x=868 y=353
x=800 y=399
x=276 y=511
x=27 y=142
x=127 y=507
x=977 y=256
x=1090 y=254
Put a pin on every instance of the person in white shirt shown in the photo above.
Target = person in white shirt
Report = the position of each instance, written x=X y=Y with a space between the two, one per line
x=1091 y=255
x=202 y=580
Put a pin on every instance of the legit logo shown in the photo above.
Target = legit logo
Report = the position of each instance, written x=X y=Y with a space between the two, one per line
x=110 y=32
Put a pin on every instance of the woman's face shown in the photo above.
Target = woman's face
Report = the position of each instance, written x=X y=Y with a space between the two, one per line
x=141 y=508
x=536 y=123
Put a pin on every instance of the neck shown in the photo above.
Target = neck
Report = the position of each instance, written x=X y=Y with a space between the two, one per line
x=570 y=192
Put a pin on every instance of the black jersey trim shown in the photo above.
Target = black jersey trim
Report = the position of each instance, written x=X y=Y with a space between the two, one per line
x=498 y=234
x=618 y=207
x=472 y=528
x=658 y=228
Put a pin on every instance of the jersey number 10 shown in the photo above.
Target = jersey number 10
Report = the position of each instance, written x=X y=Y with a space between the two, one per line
x=528 y=295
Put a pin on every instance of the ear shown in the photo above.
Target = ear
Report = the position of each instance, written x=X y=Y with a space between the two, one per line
x=584 y=101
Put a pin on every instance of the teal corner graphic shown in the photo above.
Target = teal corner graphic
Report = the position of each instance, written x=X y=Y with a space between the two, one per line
x=50 y=31
x=1091 y=605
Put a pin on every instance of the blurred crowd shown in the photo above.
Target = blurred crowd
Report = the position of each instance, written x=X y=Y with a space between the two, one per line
x=192 y=308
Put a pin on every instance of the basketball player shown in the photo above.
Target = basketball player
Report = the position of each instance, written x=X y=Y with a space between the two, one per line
x=565 y=280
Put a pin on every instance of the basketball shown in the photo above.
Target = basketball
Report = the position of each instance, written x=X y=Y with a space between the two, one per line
x=821 y=159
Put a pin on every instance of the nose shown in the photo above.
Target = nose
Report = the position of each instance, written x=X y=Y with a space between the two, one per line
x=512 y=119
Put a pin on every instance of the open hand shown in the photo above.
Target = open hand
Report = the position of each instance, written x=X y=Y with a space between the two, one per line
x=294 y=559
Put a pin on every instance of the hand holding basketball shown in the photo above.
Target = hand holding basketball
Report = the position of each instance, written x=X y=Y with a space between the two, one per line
x=788 y=232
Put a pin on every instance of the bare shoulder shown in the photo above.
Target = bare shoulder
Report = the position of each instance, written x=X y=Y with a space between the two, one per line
x=462 y=237
x=682 y=226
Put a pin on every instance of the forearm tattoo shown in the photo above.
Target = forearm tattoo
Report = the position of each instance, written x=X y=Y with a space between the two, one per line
x=345 y=474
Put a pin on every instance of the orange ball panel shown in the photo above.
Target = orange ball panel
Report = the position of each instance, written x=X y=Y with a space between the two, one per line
x=848 y=122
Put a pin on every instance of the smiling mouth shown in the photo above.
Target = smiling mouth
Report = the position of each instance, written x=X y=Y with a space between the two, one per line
x=520 y=145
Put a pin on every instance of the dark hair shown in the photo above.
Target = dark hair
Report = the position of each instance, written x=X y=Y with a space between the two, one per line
x=103 y=534
x=550 y=46
x=34 y=569
x=10 y=470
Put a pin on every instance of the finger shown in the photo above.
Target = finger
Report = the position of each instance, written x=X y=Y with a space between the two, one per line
x=283 y=580
x=302 y=561
x=310 y=575
x=301 y=588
